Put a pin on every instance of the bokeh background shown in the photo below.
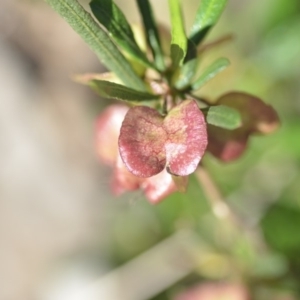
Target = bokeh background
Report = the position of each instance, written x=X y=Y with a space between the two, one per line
x=63 y=236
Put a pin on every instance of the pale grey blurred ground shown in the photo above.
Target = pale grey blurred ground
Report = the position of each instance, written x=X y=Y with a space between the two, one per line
x=52 y=191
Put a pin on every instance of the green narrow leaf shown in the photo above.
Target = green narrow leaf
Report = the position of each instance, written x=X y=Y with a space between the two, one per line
x=187 y=72
x=224 y=116
x=207 y=16
x=98 y=40
x=113 y=19
x=116 y=91
x=215 y=68
x=151 y=33
x=179 y=40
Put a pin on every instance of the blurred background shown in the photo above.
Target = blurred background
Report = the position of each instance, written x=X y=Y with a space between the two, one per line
x=63 y=236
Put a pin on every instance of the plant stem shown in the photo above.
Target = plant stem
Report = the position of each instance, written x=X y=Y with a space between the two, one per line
x=219 y=207
x=223 y=211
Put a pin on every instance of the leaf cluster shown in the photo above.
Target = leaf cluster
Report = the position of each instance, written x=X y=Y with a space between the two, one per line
x=112 y=38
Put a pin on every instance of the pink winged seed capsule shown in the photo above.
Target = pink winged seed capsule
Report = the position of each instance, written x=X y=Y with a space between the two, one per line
x=257 y=118
x=149 y=142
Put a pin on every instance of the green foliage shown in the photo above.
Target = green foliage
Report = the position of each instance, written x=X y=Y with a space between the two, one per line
x=151 y=33
x=179 y=41
x=113 y=19
x=207 y=16
x=187 y=73
x=281 y=226
x=224 y=116
x=98 y=40
x=116 y=91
